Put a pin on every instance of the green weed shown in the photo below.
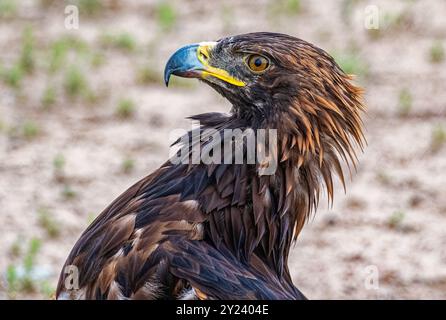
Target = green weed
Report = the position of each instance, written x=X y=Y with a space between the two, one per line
x=166 y=15
x=75 y=82
x=27 y=59
x=48 y=97
x=128 y=165
x=438 y=138
x=436 y=52
x=125 y=108
x=404 y=102
x=48 y=223
x=30 y=129
x=396 y=219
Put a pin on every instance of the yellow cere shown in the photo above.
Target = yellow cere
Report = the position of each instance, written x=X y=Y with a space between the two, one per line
x=203 y=56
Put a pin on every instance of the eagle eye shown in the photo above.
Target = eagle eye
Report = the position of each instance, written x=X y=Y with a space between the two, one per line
x=257 y=63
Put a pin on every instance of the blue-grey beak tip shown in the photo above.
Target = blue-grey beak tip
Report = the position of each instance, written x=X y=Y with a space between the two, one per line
x=182 y=63
x=166 y=78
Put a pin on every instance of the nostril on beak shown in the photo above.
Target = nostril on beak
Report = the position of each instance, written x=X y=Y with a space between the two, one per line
x=203 y=55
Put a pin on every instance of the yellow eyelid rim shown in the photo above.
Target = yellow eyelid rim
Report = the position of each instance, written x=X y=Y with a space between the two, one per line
x=212 y=71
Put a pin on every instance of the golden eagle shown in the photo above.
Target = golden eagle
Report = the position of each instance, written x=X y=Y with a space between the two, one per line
x=195 y=230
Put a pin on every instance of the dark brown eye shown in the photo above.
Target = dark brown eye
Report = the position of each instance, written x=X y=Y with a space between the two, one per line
x=257 y=63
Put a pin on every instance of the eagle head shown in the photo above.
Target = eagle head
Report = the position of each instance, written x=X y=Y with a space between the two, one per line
x=278 y=81
x=264 y=74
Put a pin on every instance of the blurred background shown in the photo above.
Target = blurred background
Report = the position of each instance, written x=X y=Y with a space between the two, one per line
x=84 y=114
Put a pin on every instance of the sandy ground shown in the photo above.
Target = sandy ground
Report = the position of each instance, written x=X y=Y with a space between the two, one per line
x=61 y=165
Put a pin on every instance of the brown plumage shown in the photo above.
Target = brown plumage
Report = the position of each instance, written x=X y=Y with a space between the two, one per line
x=223 y=231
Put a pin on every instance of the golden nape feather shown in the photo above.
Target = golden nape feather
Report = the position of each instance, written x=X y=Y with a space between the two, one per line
x=222 y=229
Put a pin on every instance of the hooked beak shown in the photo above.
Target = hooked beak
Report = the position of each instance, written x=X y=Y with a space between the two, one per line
x=192 y=61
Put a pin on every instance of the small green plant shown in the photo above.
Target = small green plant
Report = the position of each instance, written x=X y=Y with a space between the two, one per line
x=126 y=108
x=46 y=3
x=97 y=59
x=47 y=289
x=351 y=63
x=48 y=97
x=30 y=129
x=30 y=257
x=75 y=43
x=12 y=281
x=165 y=15
x=396 y=219
x=436 y=52
x=16 y=247
x=13 y=76
x=75 y=83
x=404 y=102
x=128 y=165
x=58 y=167
x=279 y=8
x=92 y=97
x=29 y=261
x=58 y=51
x=27 y=60
x=47 y=222
x=90 y=7
x=26 y=277
x=292 y=6
x=8 y=8
x=147 y=75
x=395 y=21
x=59 y=162
x=438 y=138
x=68 y=192
x=383 y=178
x=28 y=284
x=123 y=41
x=57 y=55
